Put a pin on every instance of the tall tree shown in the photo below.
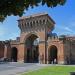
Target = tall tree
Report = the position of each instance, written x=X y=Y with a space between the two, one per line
x=17 y=7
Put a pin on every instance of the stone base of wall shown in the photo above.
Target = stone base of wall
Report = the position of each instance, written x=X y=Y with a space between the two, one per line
x=61 y=62
x=21 y=61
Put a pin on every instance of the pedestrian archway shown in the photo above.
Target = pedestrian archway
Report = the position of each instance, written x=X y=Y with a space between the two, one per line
x=52 y=55
x=14 y=53
x=32 y=49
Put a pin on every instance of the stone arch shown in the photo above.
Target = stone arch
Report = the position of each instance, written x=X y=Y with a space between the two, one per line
x=14 y=53
x=31 y=50
x=52 y=54
x=29 y=34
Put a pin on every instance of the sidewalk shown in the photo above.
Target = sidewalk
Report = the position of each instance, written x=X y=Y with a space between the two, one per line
x=20 y=70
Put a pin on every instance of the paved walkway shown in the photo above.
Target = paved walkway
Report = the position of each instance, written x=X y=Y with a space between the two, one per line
x=18 y=68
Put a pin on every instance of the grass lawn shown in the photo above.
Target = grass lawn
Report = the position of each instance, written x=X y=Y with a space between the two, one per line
x=53 y=70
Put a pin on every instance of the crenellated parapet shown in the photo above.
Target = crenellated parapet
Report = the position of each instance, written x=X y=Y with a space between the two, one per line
x=53 y=38
x=17 y=41
x=1 y=42
x=36 y=22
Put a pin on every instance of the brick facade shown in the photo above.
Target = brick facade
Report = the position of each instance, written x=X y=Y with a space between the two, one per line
x=33 y=27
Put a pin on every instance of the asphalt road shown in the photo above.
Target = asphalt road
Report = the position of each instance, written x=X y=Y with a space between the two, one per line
x=17 y=68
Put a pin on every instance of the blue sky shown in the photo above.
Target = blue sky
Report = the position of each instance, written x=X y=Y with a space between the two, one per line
x=64 y=16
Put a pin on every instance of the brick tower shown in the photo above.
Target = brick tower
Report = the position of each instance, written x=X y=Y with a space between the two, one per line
x=34 y=27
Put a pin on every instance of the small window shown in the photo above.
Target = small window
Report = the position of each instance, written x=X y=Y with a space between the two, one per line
x=27 y=24
x=31 y=24
x=43 y=21
x=36 y=22
x=40 y=21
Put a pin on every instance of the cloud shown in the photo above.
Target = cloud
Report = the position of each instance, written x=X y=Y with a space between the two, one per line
x=14 y=35
x=65 y=29
x=68 y=29
x=2 y=31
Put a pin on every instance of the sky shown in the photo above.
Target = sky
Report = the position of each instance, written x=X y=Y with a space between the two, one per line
x=64 y=17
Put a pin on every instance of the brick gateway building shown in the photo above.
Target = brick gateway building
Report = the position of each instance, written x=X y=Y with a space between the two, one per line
x=35 y=46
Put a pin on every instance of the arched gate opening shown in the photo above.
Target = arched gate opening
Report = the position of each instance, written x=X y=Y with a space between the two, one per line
x=32 y=49
x=52 y=56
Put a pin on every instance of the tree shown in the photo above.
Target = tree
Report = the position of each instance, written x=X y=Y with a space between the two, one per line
x=17 y=7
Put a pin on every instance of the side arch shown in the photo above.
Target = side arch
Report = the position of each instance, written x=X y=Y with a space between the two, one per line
x=14 y=53
x=52 y=54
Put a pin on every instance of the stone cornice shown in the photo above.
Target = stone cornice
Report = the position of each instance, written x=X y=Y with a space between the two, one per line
x=24 y=43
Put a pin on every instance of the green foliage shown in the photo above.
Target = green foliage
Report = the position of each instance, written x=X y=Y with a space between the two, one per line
x=17 y=7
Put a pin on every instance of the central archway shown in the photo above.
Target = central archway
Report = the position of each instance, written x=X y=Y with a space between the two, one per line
x=14 y=54
x=32 y=49
x=52 y=56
